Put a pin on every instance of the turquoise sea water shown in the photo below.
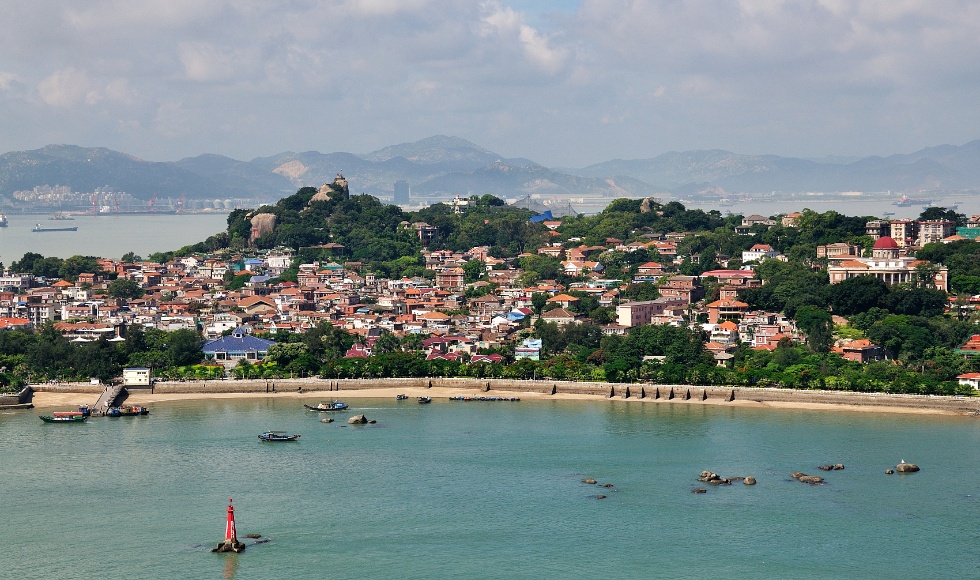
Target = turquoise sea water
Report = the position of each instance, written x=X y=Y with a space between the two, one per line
x=486 y=490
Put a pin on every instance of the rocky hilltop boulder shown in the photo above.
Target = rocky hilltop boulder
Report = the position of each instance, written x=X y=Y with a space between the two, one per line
x=262 y=224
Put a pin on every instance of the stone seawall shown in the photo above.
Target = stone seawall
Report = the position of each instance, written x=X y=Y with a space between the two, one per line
x=22 y=398
x=676 y=393
x=68 y=388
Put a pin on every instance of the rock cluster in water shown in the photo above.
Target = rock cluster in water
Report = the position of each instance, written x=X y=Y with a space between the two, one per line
x=359 y=420
x=592 y=481
x=833 y=467
x=804 y=478
x=715 y=479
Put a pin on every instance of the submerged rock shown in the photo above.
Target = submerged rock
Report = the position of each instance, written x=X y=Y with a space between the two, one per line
x=889 y=471
x=600 y=496
x=699 y=490
x=327 y=420
x=229 y=546
x=253 y=536
x=804 y=478
x=589 y=481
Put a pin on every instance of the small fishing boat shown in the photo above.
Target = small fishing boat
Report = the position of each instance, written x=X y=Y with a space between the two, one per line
x=276 y=436
x=425 y=400
x=64 y=417
x=401 y=397
x=334 y=406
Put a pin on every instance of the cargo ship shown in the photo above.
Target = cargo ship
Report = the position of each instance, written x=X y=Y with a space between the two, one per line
x=907 y=201
x=40 y=228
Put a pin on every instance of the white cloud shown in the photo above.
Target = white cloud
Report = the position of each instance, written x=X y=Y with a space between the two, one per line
x=532 y=76
x=383 y=7
x=172 y=120
x=203 y=61
x=7 y=80
x=505 y=25
x=64 y=88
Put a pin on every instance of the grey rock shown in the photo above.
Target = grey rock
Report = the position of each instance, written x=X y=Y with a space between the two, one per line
x=749 y=480
x=357 y=420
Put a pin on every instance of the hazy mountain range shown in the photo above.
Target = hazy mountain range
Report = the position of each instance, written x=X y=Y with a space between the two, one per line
x=448 y=165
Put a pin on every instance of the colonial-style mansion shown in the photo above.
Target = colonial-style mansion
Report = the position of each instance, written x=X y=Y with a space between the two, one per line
x=886 y=263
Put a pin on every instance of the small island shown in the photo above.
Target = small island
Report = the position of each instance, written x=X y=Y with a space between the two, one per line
x=337 y=286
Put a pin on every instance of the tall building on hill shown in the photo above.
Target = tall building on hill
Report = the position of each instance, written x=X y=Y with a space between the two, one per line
x=886 y=263
x=403 y=192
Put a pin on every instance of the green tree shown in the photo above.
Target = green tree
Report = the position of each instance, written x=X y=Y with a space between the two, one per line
x=386 y=343
x=123 y=288
x=474 y=270
x=857 y=295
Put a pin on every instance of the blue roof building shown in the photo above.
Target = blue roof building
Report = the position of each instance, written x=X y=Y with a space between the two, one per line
x=228 y=350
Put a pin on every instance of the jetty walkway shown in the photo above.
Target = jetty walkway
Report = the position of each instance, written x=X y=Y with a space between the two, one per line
x=112 y=396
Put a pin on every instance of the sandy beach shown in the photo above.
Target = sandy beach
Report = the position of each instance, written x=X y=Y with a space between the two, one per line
x=53 y=400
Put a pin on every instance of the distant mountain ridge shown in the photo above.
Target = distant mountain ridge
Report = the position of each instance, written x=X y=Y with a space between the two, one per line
x=942 y=167
x=444 y=165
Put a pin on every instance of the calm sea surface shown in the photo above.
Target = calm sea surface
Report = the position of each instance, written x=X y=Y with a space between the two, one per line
x=108 y=236
x=111 y=236
x=487 y=490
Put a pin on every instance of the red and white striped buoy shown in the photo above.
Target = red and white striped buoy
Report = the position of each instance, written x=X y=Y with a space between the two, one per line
x=230 y=533
x=230 y=543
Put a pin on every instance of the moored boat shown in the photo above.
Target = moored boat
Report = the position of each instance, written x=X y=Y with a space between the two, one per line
x=334 y=406
x=425 y=400
x=277 y=436
x=64 y=417
x=127 y=411
x=401 y=397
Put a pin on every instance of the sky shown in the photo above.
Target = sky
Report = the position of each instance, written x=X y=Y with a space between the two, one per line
x=564 y=83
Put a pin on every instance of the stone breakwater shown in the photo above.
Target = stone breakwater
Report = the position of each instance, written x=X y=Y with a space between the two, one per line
x=17 y=399
x=664 y=393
